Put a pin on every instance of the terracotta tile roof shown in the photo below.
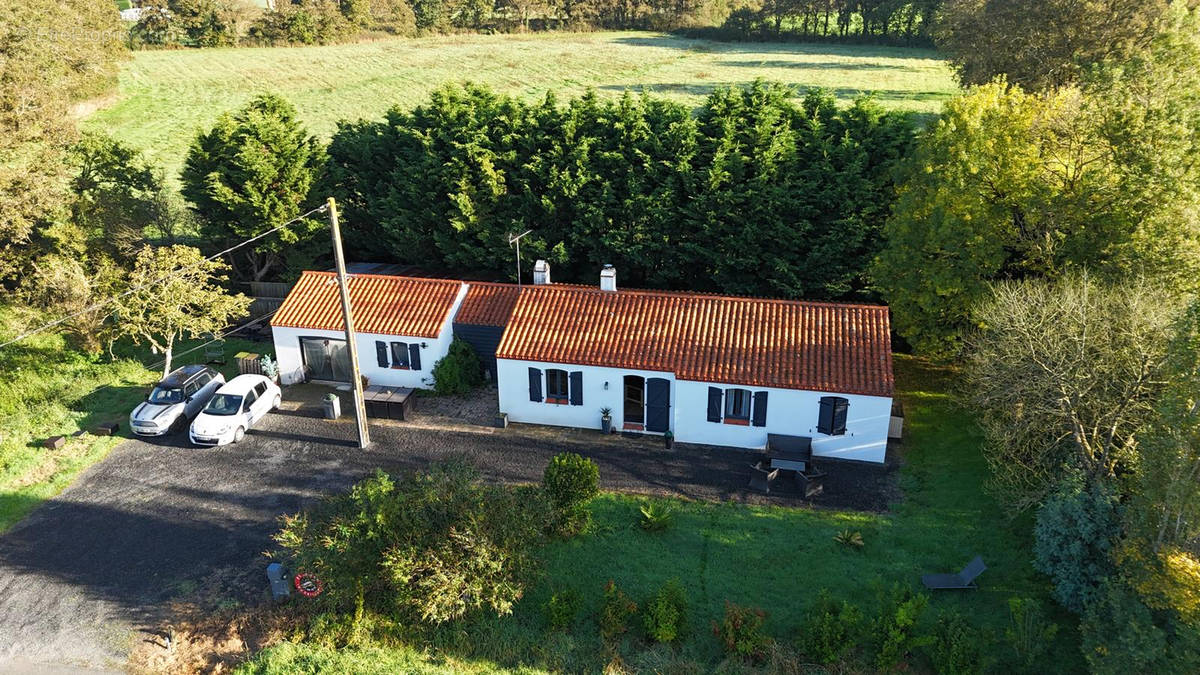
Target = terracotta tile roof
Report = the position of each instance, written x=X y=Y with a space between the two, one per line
x=838 y=348
x=488 y=304
x=386 y=305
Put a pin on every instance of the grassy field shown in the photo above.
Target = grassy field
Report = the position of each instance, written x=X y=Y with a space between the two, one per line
x=49 y=389
x=773 y=558
x=166 y=96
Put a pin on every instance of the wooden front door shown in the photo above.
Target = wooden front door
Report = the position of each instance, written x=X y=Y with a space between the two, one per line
x=658 y=404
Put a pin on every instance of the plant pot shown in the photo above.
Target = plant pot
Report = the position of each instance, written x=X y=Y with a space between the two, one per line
x=333 y=408
x=606 y=425
x=668 y=442
x=500 y=421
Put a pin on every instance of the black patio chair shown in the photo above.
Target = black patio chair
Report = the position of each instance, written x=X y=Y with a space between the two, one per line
x=962 y=580
x=761 y=477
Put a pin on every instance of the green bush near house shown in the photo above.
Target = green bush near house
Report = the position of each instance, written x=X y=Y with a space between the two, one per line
x=459 y=371
x=831 y=629
x=665 y=615
x=570 y=481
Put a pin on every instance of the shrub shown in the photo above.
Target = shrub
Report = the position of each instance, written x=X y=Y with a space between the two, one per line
x=561 y=609
x=666 y=613
x=429 y=547
x=895 y=626
x=570 y=481
x=830 y=630
x=957 y=646
x=1029 y=635
x=849 y=539
x=656 y=516
x=1073 y=536
x=615 y=611
x=741 y=631
x=459 y=371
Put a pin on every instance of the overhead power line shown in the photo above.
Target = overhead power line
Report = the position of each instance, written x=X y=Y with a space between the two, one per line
x=99 y=305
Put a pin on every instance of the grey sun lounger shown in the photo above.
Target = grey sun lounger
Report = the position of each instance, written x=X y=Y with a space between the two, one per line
x=964 y=579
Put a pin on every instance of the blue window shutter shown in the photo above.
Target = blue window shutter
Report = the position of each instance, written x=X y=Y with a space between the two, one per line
x=535 y=385
x=840 y=408
x=414 y=356
x=714 y=404
x=831 y=420
x=760 y=409
x=381 y=353
x=577 y=387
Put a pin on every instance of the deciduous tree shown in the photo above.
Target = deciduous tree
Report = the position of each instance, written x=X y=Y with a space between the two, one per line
x=1064 y=375
x=178 y=293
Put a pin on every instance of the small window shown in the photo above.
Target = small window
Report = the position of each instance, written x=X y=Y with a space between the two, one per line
x=204 y=379
x=260 y=389
x=400 y=355
x=557 y=387
x=737 y=406
x=250 y=399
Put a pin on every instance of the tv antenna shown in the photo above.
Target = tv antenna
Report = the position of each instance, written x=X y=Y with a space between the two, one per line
x=516 y=239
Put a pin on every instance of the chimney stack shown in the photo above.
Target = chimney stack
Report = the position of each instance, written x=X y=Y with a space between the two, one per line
x=608 y=278
x=541 y=273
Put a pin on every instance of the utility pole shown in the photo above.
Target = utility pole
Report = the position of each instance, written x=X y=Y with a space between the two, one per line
x=360 y=413
x=516 y=239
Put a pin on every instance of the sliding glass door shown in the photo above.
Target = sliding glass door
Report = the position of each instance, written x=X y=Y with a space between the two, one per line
x=325 y=359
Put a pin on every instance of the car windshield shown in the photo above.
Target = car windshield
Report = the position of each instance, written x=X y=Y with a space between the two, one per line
x=165 y=395
x=224 y=404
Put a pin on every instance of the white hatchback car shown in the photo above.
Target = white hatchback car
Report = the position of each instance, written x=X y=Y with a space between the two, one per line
x=235 y=407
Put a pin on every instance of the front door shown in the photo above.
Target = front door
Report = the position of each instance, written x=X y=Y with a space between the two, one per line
x=325 y=359
x=635 y=401
x=658 y=404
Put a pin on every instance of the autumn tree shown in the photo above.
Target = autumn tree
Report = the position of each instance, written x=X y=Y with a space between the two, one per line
x=52 y=54
x=175 y=293
x=1064 y=375
x=1042 y=44
x=251 y=172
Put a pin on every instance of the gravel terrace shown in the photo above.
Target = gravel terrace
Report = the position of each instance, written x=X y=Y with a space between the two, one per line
x=92 y=572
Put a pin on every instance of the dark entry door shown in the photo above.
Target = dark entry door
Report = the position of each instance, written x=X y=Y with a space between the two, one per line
x=635 y=399
x=658 y=404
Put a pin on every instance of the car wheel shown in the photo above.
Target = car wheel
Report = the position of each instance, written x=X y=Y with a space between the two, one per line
x=275 y=405
x=239 y=434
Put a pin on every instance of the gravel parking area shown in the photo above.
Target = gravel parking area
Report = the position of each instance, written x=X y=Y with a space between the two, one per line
x=87 y=575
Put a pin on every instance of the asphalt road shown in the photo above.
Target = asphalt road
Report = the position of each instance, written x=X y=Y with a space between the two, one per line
x=95 y=570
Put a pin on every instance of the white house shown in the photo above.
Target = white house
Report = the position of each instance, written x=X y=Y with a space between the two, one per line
x=711 y=369
x=402 y=326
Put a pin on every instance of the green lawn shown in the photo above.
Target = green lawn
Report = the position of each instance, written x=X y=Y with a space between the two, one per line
x=773 y=558
x=166 y=96
x=49 y=389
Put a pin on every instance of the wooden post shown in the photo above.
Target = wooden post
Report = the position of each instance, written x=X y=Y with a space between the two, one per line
x=360 y=413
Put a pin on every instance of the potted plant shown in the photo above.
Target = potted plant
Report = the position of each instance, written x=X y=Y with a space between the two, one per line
x=333 y=406
x=669 y=439
x=501 y=420
x=606 y=420
x=270 y=368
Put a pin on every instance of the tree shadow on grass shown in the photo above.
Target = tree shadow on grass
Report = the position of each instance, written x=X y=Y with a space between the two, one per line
x=666 y=41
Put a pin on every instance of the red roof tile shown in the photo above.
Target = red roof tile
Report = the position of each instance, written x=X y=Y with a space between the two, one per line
x=840 y=348
x=487 y=304
x=386 y=305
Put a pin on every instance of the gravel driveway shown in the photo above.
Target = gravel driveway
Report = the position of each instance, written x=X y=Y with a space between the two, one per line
x=89 y=574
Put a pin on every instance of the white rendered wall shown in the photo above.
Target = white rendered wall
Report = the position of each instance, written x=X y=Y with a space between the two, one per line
x=512 y=381
x=291 y=364
x=789 y=411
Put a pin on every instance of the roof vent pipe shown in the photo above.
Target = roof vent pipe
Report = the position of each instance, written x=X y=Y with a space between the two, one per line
x=541 y=273
x=608 y=278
